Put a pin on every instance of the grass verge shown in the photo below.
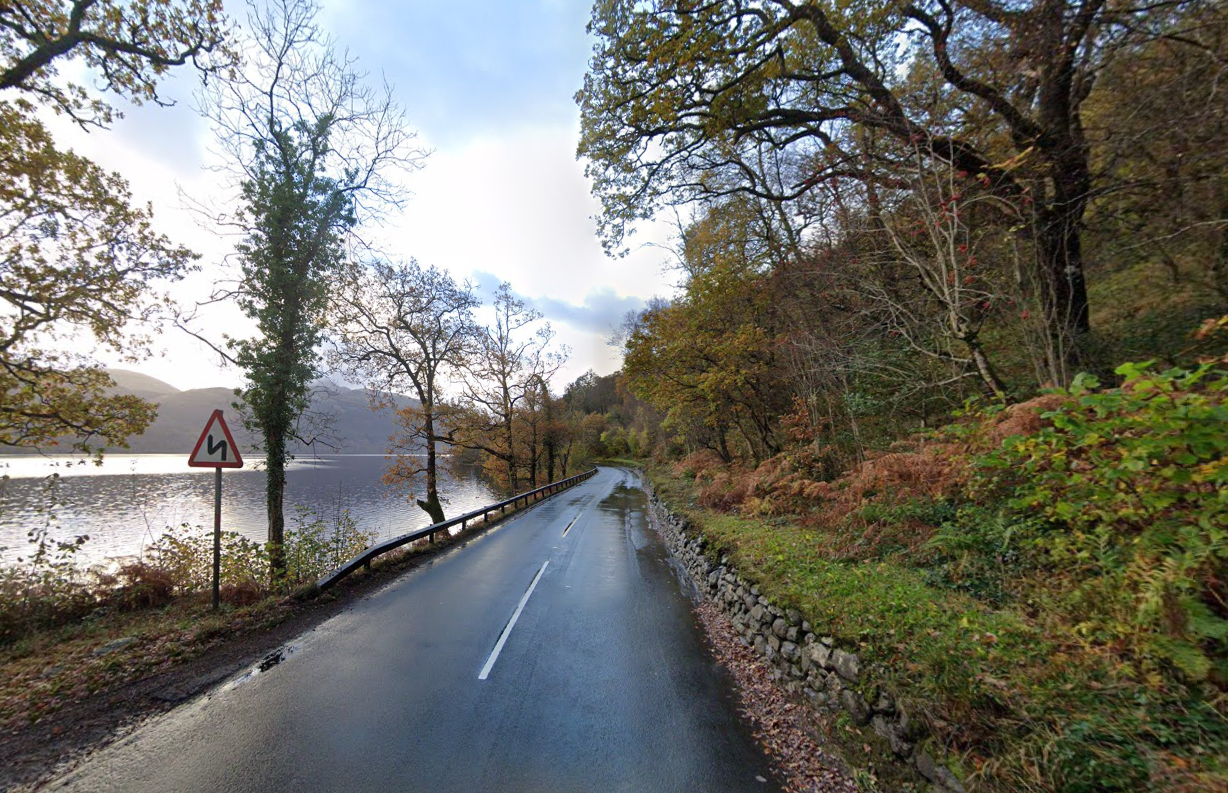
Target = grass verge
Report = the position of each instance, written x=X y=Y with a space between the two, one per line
x=1013 y=700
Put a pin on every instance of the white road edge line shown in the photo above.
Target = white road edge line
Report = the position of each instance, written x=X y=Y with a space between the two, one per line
x=494 y=654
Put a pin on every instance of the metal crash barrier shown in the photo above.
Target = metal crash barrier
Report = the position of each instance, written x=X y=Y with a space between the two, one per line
x=364 y=558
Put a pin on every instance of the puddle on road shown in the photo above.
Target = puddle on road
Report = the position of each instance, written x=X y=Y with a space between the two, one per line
x=630 y=504
x=622 y=499
x=276 y=657
x=271 y=660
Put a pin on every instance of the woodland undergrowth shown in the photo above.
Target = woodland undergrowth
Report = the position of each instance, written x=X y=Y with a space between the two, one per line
x=1044 y=584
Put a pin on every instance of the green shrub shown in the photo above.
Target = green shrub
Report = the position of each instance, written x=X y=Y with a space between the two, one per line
x=45 y=588
x=616 y=443
x=931 y=512
x=48 y=587
x=186 y=554
x=981 y=550
x=1130 y=739
x=315 y=547
x=1133 y=484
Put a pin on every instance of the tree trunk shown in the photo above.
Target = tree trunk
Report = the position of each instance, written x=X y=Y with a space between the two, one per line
x=433 y=508
x=431 y=504
x=749 y=438
x=986 y=370
x=722 y=446
x=1219 y=265
x=551 y=439
x=1064 y=290
x=275 y=491
x=511 y=454
x=279 y=416
x=1060 y=205
x=533 y=457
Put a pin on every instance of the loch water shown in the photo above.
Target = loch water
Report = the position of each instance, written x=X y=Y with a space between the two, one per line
x=130 y=500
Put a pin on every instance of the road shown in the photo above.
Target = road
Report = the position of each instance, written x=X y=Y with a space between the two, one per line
x=602 y=683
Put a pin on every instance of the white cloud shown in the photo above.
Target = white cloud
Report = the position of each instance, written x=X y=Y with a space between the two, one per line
x=519 y=206
x=160 y=152
x=600 y=312
x=584 y=328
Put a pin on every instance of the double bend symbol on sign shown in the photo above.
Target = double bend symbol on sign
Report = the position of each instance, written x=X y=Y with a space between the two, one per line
x=216 y=447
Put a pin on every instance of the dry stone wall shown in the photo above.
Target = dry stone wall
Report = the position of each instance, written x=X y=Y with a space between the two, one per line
x=803 y=660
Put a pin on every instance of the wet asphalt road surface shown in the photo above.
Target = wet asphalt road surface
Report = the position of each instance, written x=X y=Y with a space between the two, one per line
x=603 y=683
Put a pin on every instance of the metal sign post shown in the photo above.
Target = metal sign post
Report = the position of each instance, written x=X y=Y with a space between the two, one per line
x=217 y=537
x=216 y=449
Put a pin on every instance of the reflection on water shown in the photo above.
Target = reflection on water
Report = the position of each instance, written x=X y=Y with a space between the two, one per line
x=130 y=500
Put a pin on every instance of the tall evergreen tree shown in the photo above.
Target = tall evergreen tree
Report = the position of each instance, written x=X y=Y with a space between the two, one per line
x=311 y=148
x=297 y=218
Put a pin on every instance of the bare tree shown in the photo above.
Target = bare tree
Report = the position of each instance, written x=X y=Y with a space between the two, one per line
x=512 y=358
x=930 y=234
x=403 y=327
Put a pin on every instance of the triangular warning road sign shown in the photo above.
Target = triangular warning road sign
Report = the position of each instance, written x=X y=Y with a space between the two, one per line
x=216 y=447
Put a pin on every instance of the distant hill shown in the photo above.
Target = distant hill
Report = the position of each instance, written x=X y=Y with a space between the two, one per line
x=142 y=385
x=182 y=416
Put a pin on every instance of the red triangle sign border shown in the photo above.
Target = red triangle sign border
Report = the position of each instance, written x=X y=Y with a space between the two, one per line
x=237 y=462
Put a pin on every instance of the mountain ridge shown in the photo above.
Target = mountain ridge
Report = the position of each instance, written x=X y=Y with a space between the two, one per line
x=182 y=414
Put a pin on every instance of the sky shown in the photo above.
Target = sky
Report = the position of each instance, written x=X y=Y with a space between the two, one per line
x=488 y=85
